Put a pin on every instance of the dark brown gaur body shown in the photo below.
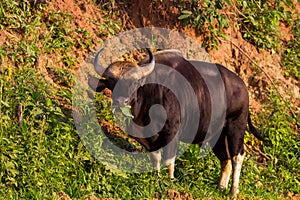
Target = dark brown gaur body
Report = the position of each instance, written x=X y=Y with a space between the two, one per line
x=229 y=148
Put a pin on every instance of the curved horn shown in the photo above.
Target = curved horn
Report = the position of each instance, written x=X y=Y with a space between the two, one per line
x=98 y=67
x=146 y=69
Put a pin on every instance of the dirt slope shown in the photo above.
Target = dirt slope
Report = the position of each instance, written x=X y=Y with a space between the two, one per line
x=234 y=53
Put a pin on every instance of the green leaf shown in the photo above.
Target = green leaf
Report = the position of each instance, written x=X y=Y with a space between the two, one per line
x=24 y=127
x=127 y=111
x=4 y=103
x=227 y=2
x=181 y=17
x=48 y=102
x=186 y=12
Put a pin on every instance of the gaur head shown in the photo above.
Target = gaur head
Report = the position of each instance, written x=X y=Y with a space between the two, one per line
x=121 y=73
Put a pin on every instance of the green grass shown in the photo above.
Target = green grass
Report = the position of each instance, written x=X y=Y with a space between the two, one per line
x=42 y=154
x=45 y=155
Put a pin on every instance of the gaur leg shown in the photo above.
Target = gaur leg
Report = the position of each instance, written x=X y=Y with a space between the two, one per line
x=169 y=155
x=222 y=152
x=237 y=162
x=236 y=130
x=156 y=158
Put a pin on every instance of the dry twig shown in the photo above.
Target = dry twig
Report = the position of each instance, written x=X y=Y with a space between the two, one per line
x=20 y=115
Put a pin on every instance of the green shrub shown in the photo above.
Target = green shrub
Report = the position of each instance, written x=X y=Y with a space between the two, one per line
x=206 y=16
x=259 y=21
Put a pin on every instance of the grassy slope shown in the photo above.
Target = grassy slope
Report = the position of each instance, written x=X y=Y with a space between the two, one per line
x=42 y=155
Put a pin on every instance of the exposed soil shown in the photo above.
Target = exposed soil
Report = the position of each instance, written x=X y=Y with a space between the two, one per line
x=85 y=15
x=169 y=194
x=174 y=195
x=235 y=53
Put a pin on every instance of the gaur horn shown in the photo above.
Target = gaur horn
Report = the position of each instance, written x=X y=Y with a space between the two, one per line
x=146 y=69
x=98 y=67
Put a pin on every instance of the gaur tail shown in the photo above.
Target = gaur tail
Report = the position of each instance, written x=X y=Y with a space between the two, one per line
x=253 y=130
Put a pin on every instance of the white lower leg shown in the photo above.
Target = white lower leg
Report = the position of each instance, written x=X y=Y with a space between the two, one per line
x=156 y=158
x=237 y=166
x=170 y=163
x=226 y=167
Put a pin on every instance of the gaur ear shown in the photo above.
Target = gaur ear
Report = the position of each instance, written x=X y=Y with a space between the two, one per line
x=96 y=84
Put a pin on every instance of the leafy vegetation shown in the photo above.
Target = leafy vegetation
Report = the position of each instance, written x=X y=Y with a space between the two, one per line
x=291 y=55
x=41 y=154
x=281 y=141
x=258 y=22
x=207 y=18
